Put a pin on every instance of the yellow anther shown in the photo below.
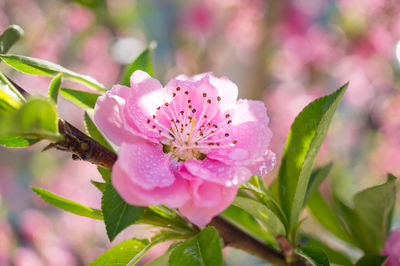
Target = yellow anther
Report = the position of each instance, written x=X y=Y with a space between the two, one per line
x=191 y=127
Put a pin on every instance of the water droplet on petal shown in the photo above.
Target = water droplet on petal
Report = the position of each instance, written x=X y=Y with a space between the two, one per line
x=239 y=155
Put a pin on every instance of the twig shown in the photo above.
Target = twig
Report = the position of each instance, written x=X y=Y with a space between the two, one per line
x=82 y=146
x=233 y=237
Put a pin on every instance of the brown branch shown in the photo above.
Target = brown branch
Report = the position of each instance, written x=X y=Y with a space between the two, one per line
x=82 y=146
x=234 y=237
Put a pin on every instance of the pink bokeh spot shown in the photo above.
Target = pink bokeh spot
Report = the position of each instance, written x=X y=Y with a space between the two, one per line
x=188 y=145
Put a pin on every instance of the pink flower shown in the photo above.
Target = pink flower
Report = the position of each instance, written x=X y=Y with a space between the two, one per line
x=187 y=145
x=392 y=249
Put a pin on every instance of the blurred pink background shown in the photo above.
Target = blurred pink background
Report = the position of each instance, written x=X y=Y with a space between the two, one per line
x=285 y=53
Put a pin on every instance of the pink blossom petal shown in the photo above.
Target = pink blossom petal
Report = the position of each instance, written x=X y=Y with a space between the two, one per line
x=109 y=116
x=218 y=172
x=147 y=95
x=142 y=177
x=264 y=164
x=392 y=248
x=227 y=90
x=249 y=131
x=204 y=193
x=194 y=98
x=146 y=164
x=202 y=215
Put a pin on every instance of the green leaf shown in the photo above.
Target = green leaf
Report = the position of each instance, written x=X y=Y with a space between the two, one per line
x=263 y=195
x=99 y=185
x=93 y=132
x=315 y=255
x=34 y=66
x=35 y=120
x=9 y=37
x=161 y=260
x=372 y=260
x=68 y=205
x=142 y=62
x=8 y=88
x=316 y=178
x=85 y=100
x=354 y=226
x=16 y=142
x=203 y=249
x=262 y=213
x=117 y=213
x=335 y=257
x=10 y=101
x=121 y=254
x=105 y=174
x=160 y=237
x=54 y=87
x=130 y=251
x=374 y=206
x=327 y=217
x=7 y=102
x=304 y=141
x=248 y=223
x=93 y=4
x=162 y=216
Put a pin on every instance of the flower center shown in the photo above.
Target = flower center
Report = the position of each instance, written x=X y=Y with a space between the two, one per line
x=188 y=137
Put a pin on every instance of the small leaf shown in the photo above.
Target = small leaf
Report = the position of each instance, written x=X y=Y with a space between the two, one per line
x=7 y=102
x=93 y=4
x=314 y=255
x=372 y=260
x=35 y=120
x=262 y=213
x=354 y=226
x=162 y=216
x=142 y=62
x=92 y=130
x=335 y=257
x=54 y=87
x=203 y=249
x=105 y=174
x=326 y=216
x=9 y=37
x=374 y=206
x=163 y=236
x=85 y=100
x=122 y=253
x=161 y=260
x=117 y=213
x=68 y=205
x=249 y=224
x=10 y=102
x=8 y=88
x=304 y=141
x=99 y=185
x=35 y=66
x=316 y=178
x=264 y=196
x=16 y=142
